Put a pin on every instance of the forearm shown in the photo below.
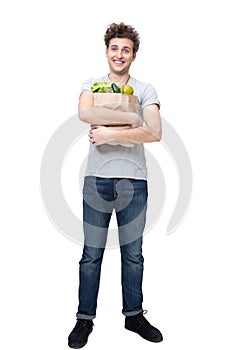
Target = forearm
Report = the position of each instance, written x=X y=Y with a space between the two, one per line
x=106 y=116
x=137 y=135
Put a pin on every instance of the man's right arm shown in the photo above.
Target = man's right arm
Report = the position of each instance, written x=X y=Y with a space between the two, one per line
x=90 y=114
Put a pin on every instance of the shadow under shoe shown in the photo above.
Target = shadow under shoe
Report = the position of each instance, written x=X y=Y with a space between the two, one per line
x=141 y=326
x=79 y=335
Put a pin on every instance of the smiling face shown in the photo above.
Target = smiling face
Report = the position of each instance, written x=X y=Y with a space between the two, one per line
x=120 y=55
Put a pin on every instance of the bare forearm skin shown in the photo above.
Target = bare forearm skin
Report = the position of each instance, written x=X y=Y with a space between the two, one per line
x=137 y=135
x=106 y=116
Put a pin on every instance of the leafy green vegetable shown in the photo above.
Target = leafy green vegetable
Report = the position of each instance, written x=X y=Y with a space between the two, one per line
x=103 y=87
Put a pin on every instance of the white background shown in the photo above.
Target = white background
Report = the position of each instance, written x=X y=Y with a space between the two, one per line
x=47 y=49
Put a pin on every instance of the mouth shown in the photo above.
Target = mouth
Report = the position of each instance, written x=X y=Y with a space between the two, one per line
x=118 y=62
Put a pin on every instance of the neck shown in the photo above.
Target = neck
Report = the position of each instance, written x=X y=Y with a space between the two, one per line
x=121 y=79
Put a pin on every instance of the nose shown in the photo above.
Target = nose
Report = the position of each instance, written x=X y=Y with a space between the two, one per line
x=119 y=53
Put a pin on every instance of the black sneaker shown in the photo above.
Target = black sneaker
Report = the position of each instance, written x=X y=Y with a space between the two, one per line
x=140 y=325
x=79 y=335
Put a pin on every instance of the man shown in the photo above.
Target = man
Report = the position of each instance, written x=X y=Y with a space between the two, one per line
x=116 y=179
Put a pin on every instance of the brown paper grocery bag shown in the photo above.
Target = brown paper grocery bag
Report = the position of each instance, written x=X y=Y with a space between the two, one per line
x=121 y=102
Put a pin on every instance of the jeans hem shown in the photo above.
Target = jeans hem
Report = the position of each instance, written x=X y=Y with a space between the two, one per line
x=85 y=317
x=132 y=313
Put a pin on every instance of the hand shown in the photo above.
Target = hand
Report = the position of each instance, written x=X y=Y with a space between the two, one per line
x=99 y=135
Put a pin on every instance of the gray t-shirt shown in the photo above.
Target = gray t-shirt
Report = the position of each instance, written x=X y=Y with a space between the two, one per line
x=119 y=161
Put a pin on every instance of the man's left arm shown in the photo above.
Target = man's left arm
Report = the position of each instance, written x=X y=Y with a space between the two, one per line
x=151 y=130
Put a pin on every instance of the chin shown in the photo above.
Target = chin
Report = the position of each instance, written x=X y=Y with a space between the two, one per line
x=119 y=70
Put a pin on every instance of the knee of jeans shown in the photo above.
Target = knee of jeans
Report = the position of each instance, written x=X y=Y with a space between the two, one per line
x=136 y=259
x=132 y=256
x=91 y=255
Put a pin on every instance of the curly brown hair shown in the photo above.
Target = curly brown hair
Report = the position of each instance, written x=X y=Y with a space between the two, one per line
x=122 y=30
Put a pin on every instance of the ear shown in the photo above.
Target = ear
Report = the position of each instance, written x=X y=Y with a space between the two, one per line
x=134 y=56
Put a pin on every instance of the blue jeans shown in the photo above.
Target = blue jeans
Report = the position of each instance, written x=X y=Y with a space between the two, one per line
x=129 y=199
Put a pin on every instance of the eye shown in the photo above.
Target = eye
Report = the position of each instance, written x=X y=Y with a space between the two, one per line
x=126 y=51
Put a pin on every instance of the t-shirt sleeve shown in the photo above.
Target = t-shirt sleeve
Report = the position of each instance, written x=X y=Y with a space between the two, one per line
x=150 y=97
x=86 y=86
